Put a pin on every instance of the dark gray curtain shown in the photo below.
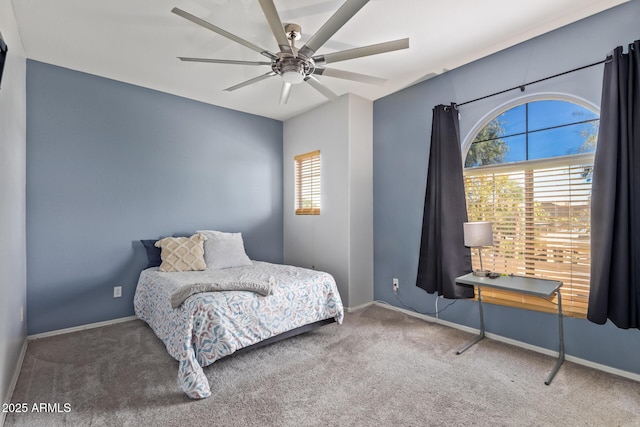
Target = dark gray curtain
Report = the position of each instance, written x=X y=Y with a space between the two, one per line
x=3 y=55
x=615 y=203
x=443 y=256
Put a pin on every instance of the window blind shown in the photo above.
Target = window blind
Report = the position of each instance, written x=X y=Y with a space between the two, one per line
x=307 y=171
x=540 y=212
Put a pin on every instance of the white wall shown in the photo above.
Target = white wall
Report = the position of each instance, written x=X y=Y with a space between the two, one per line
x=360 y=201
x=339 y=240
x=12 y=201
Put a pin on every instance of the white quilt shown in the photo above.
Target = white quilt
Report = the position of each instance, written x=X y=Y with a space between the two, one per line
x=208 y=326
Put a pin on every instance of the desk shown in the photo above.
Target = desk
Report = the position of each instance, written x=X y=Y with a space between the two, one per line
x=524 y=285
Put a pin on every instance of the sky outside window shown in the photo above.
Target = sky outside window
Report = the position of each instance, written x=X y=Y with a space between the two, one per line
x=535 y=130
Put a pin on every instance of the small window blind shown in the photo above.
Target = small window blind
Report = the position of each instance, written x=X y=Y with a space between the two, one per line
x=540 y=212
x=308 y=183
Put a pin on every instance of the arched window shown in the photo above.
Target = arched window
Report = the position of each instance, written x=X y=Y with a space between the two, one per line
x=528 y=171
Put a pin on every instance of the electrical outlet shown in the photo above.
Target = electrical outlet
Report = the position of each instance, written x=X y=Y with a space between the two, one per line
x=21 y=313
x=117 y=291
x=396 y=285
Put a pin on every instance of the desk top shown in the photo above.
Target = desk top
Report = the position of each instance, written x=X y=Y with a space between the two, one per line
x=524 y=285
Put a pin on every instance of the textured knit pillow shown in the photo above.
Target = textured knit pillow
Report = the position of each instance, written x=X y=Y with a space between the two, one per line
x=182 y=253
x=224 y=250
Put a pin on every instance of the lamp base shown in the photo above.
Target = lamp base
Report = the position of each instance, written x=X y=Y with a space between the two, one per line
x=481 y=273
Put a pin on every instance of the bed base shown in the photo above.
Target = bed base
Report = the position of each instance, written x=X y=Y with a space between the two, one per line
x=287 y=334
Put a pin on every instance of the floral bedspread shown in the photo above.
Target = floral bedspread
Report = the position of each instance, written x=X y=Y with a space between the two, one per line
x=211 y=325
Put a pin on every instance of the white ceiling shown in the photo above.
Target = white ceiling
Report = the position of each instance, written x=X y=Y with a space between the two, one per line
x=137 y=41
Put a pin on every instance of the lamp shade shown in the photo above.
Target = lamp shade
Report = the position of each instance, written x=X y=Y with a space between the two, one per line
x=478 y=234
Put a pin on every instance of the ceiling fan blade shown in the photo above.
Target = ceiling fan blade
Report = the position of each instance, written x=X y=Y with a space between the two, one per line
x=223 y=61
x=348 y=75
x=277 y=28
x=251 y=81
x=210 y=26
x=321 y=88
x=284 y=94
x=342 y=15
x=360 y=52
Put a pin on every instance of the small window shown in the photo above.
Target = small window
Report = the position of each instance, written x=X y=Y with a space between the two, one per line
x=308 y=183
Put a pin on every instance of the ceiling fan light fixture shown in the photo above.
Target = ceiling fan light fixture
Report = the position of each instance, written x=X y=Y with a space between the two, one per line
x=292 y=70
x=293 y=76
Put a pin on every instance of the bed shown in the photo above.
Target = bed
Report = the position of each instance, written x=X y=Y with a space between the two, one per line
x=204 y=315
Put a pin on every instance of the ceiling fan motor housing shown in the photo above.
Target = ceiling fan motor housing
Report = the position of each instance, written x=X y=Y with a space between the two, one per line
x=293 y=69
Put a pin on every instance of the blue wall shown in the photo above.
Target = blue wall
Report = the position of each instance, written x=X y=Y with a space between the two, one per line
x=402 y=127
x=110 y=163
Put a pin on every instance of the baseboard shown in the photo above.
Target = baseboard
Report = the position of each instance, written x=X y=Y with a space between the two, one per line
x=574 y=359
x=600 y=367
x=359 y=307
x=14 y=380
x=81 y=328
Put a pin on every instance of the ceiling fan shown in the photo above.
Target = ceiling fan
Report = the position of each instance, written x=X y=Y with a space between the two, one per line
x=297 y=65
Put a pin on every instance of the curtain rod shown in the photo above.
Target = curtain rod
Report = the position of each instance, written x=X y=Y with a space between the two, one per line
x=521 y=87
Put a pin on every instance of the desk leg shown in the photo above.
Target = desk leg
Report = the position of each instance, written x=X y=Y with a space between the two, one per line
x=554 y=371
x=481 y=335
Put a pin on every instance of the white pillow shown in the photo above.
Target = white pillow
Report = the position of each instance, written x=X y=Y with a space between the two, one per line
x=224 y=250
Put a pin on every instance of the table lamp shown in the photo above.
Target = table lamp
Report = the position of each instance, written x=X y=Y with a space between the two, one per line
x=476 y=235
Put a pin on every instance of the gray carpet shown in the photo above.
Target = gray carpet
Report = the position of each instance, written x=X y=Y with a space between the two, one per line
x=380 y=367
